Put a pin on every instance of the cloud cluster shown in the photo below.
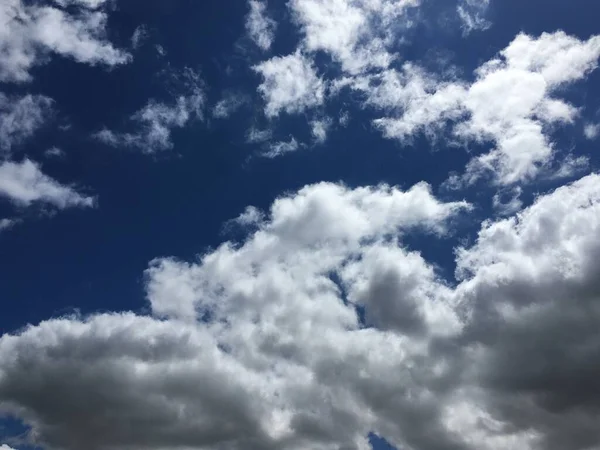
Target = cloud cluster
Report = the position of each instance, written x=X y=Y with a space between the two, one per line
x=513 y=103
x=156 y=120
x=321 y=327
x=357 y=35
x=252 y=347
x=472 y=15
x=29 y=33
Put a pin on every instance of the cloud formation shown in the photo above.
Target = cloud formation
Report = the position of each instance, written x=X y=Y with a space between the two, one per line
x=31 y=32
x=20 y=117
x=356 y=34
x=472 y=15
x=282 y=147
x=24 y=183
x=156 y=120
x=254 y=348
x=262 y=344
x=259 y=26
x=290 y=84
x=512 y=105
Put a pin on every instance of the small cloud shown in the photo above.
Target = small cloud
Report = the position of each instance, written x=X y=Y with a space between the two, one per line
x=472 y=15
x=139 y=36
x=158 y=119
x=54 y=152
x=160 y=50
x=569 y=167
x=255 y=136
x=250 y=216
x=259 y=26
x=508 y=201
x=290 y=84
x=282 y=147
x=319 y=129
x=24 y=183
x=6 y=224
x=33 y=31
x=229 y=104
x=591 y=131
x=20 y=117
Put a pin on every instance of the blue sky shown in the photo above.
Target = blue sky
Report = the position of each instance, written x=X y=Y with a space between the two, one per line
x=327 y=224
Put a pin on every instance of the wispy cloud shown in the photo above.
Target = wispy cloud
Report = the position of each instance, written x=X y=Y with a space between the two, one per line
x=259 y=26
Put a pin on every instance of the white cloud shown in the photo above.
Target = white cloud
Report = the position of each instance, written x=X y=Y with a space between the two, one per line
x=157 y=120
x=422 y=102
x=250 y=217
x=531 y=295
x=278 y=360
x=30 y=32
x=472 y=15
x=259 y=26
x=160 y=50
x=20 y=117
x=319 y=129
x=591 y=131
x=54 y=152
x=254 y=135
x=290 y=84
x=5 y=224
x=279 y=148
x=508 y=202
x=344 y=118
x=356 y=34
x=259 y=344
x=140 y=34
x=24 y=183
x=512 y=104
x=229 y=104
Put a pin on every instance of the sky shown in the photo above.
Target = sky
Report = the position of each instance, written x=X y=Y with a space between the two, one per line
x=299 y=224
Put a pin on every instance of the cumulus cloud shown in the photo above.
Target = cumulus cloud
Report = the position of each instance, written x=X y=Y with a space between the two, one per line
x=356 y=34
x=513 y=103
x=24 y=183
x=20 y=117
x=290 y=84
x=262 y=344
x=156 y=120
x=254 y=345
x=259 y=26
x=31 y=32
x=530 y=294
